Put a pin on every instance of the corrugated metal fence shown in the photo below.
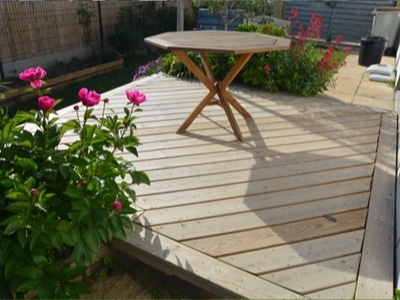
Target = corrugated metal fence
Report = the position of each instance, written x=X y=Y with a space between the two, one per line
x=351 y=19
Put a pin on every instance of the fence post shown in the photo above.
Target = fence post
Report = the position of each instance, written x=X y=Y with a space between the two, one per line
x=100 y=23
x=179 y=15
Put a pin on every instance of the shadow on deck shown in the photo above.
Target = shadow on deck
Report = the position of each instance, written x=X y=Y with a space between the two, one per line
x=302 y=208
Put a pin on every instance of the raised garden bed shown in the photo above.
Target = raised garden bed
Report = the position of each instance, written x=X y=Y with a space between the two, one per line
x=59 y=82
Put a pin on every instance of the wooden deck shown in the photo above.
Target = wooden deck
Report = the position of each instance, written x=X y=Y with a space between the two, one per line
x=302 y=208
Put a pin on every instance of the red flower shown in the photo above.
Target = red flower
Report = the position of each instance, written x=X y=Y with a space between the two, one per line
x=294 y=13
x=45 y=103
x=34 y=76
x=314 y=30
x=89 y=98
x=347 y=50
x=339 y=39
x=136 y=97
x=117 y=206
x=267 y=68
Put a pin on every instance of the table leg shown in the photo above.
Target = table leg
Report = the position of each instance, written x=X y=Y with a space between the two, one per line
x=234 y=71
x=225 y=98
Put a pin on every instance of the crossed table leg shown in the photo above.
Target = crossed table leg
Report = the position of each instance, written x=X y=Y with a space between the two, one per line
x=225 y=99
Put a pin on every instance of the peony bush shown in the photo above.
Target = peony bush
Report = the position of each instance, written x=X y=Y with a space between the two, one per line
x=63 y=191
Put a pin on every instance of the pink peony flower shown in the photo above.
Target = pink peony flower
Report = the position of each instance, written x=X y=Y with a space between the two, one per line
x=136 y=97
x=34 y=76
x=89 y=98
x=117 y=206
x=45 y=103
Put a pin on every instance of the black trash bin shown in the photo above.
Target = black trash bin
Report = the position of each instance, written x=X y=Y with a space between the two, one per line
x=371 y=50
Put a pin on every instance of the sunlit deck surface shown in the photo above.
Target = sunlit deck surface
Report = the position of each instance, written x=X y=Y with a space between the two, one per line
x=302 y=208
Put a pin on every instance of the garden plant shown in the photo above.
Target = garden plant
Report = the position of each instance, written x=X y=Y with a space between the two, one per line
x=305 y=69
x=63 y=191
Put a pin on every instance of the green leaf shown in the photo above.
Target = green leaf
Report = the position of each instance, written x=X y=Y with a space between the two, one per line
x=94 y=184
x=40 y=261
x=34 y=241
x=67 y=238
x=30 y=183
x=14 y=226
x=74 y=192
x=65 y=170
x=56 y=239
x=26 y=163
x=6 y=130
x=77 y=254
x=18 y=206
x=132 y=150
x=79 y=161
x=90 y=240
x=139 y=177
x=46 y=289
x=27 y=285
x=30 y=272
x=70 y=124
x=22 y=237
x=126 y=222
x=130 y=192
x=17 y=196
x=74 y=146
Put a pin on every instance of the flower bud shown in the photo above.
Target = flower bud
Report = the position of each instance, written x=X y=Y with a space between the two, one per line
x=34 y=192
x=76 y=107
x=106 y=100
x=117 y=206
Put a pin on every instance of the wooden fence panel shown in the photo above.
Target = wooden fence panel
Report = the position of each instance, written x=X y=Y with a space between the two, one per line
x=29 y=29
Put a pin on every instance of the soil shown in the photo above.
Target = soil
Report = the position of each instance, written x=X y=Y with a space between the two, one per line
x=117 y=276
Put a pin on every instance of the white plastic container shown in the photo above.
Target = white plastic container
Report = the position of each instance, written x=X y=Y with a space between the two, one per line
x=387 y=23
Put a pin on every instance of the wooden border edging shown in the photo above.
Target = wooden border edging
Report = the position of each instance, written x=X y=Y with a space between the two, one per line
x=375 y=280
x=197 y=268
x=60 y=81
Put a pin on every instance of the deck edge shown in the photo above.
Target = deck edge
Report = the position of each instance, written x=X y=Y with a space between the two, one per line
x=376 y=273
x=204 y=271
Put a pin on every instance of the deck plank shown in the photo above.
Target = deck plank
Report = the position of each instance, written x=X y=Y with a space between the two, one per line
x=345 y=291
x=297 y=254
x=322 y=275
x=238 y=242
x=376 y=279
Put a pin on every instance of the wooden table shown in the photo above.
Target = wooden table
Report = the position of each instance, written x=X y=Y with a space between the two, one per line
x=213 y=41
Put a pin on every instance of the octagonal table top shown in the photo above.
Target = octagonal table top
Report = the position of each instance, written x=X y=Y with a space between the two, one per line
x=235 y=42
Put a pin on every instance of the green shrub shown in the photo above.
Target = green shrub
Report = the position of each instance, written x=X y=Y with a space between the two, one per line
x=304 y=69
x=171 y=65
